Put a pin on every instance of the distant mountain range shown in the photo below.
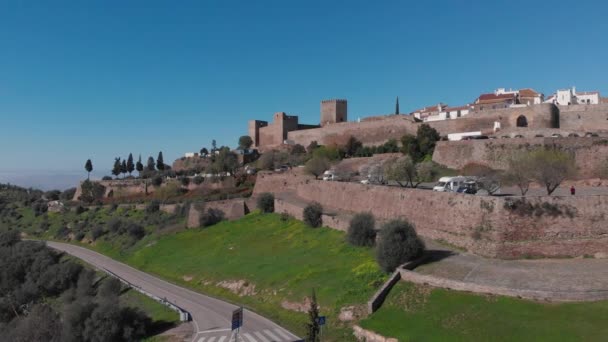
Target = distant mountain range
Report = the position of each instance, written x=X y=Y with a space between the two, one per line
x=51 y=180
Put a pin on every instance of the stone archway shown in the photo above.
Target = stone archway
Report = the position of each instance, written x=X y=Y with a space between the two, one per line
x=522 y=121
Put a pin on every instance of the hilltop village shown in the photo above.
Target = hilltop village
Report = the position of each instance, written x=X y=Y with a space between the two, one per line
x=444 y=200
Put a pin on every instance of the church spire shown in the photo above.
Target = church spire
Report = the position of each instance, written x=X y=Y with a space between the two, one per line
x=397 y=106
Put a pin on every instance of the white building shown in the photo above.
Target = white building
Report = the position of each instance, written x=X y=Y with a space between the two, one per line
x=566 y=97
x=190 y=154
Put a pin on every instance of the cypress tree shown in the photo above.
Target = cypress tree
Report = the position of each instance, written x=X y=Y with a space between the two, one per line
x=139 y=166
x=151 y=165
x=123 y=167
x=89 y=167
x=160 y=163
x=130 y=165
x=117 y=167
x=397 y=106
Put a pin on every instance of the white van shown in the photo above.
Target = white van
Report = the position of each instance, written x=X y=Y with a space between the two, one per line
x=330 y=175
x=449 y=184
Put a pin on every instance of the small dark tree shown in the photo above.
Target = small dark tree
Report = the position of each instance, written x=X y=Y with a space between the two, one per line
x=160 y=162
x=316 y=166
x=298 y=149
x=362 y=231
x=151 y=165
x=117 y=167
x=185 y=181
x=213 y=146
x=204 y=151
x=89 y=167
x=312 y=327
x=397 y=106
x=210 y=217
x=123 y=167
x=245 y=142
x=198 y=180
x=153 y=207
x=352 y=145
x=157 y=181
x=427 y=137
x=130 y=164
x=313 y=215
x=266 y=202
x=139 y=166
x=398 y=244
x=312 y=146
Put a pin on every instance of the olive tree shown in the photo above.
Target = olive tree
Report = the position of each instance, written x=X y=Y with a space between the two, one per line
x=316 y=166
x=550 y=167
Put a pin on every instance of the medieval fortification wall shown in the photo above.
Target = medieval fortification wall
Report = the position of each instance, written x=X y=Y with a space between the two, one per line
x=589 y=153
x=503 y=227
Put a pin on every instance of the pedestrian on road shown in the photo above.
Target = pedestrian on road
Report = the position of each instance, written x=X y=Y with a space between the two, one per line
x=572 y=190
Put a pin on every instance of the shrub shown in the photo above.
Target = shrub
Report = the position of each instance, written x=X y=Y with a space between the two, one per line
x=136 y=230
x=67 y=195
x=91 y=191
x=153 y=207
x=115 y=225
x=97 y=232
x=185 y=181
x=210 y=217
x=285 y=217
x=198 y=180
x=79 y=236
x=157 y=180
x=312 y=215
x=266 y=202
x=106 y=178
x=362 y=231
x=80 y=209
x=398 y=244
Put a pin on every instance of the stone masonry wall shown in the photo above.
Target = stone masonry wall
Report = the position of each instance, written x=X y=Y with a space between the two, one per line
x=376 y=132
x=589 y=153
x=491 y=226
x=233 y=209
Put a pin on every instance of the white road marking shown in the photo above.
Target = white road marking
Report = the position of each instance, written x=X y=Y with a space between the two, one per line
x=261 y=337
x=249 y=337
x=283 y=335
x=211 y=339
x=221 y=339
x=212 y=331
x=202 y=339
x=272 y=336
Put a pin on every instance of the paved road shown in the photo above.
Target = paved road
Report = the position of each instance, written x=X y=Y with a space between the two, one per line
x=211 y=317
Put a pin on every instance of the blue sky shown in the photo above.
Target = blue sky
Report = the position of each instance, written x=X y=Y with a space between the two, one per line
x=99 y=79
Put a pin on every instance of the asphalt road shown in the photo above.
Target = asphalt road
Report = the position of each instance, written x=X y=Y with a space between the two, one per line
x=211 y=317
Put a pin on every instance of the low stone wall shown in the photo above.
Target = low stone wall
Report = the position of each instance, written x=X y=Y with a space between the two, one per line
x=233 y=209
x=503 y=227
x=451 y=284
x=370 y=336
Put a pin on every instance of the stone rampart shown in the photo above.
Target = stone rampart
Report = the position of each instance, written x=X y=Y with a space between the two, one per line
x=504 y=227
x=232 y=209
x=586 y=118
x=379 y=130
x=589 y=152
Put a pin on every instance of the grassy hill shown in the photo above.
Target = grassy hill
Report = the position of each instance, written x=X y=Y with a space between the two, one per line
x=420 y=313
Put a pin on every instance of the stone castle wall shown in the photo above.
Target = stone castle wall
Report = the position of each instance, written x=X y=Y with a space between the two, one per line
x=378 y=131
x=590 y=153
x=585 y=118
x=490 y=226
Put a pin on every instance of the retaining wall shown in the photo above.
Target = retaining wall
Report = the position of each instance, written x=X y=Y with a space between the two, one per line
x=232 y=209
x=589 y=153
x=503 y=227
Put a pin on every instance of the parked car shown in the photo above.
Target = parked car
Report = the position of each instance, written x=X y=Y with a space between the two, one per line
x=449 y=184
x=330 y=175
x=251 y=171
x=468 y=187
x=282 y=168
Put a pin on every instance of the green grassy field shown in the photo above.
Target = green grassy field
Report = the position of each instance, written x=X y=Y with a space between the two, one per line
x=284 y=260
x=419 y=313
x=158 y=312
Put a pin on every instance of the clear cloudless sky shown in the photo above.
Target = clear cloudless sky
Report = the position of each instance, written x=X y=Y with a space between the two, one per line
x=100 y=79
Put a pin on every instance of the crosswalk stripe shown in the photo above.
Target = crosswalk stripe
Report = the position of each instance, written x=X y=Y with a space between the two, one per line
x=283 y=334
x=272 y=336
x=249 y=337
x=261 y=337
x=211 y=339
x=221 y=339
x=202 y=339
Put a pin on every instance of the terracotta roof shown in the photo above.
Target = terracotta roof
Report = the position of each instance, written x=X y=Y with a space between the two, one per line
x=430 y=109
x=528 y=92
x=493 y=98
x=451 y=109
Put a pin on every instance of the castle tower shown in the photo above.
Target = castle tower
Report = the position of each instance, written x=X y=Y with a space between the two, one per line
x=333 y=111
